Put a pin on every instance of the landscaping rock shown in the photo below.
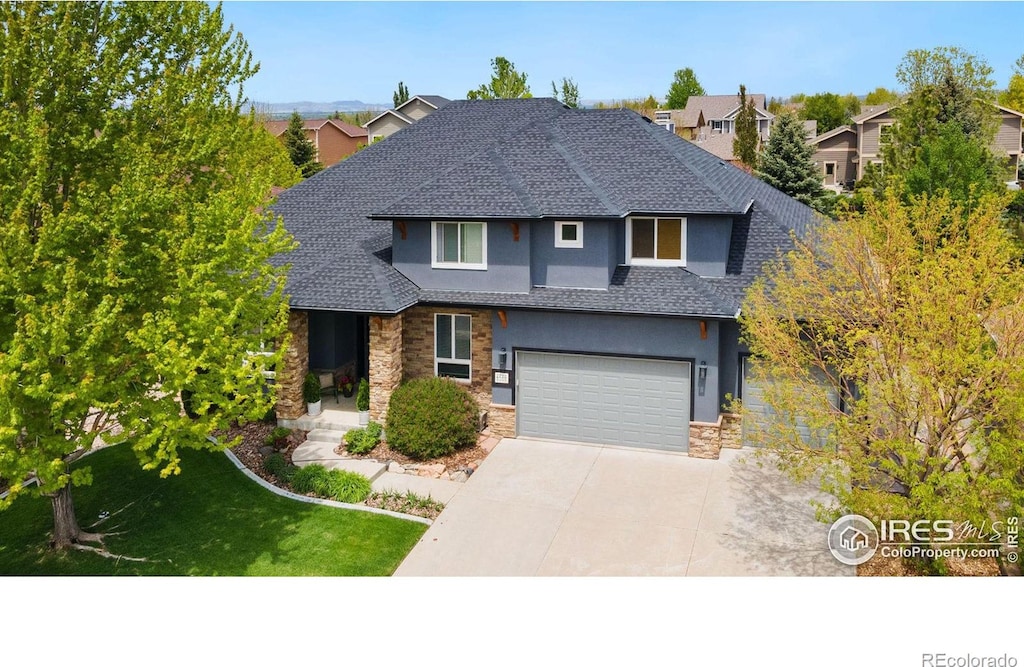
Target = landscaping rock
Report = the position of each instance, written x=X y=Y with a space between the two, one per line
x=431 y=470
x=460 y=476
x=445 y=476
x=396 y=467
x=266 y=451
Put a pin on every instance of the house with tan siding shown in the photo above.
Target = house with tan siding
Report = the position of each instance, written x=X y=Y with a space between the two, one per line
x=402 y=116
x=843 y=153
x=333 y=140
x=710 y=122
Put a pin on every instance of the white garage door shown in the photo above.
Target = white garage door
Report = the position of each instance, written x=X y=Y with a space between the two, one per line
x=761 y=413
x=613 y=400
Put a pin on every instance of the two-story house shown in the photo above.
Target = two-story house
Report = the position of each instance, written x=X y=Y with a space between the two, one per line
x=332 y=139
x=413 y=109
x=579 y=271
x=843 y=153
x=710 y=121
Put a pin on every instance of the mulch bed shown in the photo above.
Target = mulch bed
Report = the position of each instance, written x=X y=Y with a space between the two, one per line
x=254 y=435
x=895 y=566
x=470 y=457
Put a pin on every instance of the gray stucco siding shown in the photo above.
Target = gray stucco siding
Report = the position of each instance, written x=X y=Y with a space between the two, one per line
x=589 y=266
x=707 y=244
x=508 y=260
x=618 y=335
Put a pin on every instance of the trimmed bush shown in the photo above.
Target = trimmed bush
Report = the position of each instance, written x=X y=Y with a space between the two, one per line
x=311 y=389
x=363 y=396
x=362 y=440
x=431 y=417
x=340 y=485
x=278 y=437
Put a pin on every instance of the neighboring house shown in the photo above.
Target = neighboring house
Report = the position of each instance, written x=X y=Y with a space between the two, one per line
x=404 y=115
x=843 y=153
x=580 y=271
x=333 y=140
x=710 y=122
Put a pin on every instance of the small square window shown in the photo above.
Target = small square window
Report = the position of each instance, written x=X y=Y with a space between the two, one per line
x=568 y=234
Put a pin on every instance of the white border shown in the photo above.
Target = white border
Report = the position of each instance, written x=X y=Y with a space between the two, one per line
x=562 y=243
x=645 y=261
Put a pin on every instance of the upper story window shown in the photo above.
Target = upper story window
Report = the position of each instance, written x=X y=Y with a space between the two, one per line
x=656 y=241
x=716 y=125
x=568 y=234
x=459 y=245
x=884 y=132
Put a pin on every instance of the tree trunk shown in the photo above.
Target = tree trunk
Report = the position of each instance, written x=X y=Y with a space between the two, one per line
x=66 y=531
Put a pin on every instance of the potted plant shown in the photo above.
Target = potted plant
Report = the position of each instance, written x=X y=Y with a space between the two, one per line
x=311 y=392
x=363 y=402
x=346 y=385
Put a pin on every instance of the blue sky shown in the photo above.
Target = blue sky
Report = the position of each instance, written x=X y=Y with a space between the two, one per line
x=326 y=51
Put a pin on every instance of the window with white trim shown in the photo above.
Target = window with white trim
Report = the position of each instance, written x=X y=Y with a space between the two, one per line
x=459 y=245
x=452 y=346
x=652 y=241
x=568 y=234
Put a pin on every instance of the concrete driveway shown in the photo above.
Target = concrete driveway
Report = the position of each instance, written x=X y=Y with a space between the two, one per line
x=548 y=508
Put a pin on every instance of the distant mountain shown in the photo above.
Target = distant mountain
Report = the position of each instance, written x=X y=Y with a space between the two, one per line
x=318 y=108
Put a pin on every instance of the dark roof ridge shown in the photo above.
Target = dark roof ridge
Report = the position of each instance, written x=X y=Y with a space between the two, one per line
x=577 y=162
x=517 y=186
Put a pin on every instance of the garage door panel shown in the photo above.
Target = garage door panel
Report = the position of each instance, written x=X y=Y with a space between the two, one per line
x=617 y=400
x=762 y=414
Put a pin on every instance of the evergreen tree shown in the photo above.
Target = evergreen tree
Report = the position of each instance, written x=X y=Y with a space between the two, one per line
x=684 y=85
x=300 y=149
x=786 y=162
x=745 y=145
x=400 y=96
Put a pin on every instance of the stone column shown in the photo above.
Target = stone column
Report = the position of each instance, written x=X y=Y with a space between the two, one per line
x=705 y=439
x=385 y=362
x=290 y=404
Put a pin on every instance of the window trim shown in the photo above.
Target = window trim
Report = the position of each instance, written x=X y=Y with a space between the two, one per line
x=435 y=264
x=444 y=360
x=647 y=261
x=562 y=243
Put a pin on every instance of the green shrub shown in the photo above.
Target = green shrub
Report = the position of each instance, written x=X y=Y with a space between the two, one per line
x=363 y=395
x=279 y=468
x=277 y=437
x=431 y=417
x=340 y=485
x=347 y=487
x=311 y=479
x=362 y=440
x=311 y=389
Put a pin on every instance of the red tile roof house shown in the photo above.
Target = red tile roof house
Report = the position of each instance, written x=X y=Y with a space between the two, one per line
x=334 y=140
x=579 y=271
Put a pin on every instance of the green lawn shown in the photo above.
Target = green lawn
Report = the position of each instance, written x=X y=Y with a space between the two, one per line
x=209 y=520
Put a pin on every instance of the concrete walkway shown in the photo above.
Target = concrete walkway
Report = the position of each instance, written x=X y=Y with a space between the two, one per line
x=545 y=508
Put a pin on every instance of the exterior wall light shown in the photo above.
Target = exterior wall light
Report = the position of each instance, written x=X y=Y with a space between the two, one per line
x=702 y=372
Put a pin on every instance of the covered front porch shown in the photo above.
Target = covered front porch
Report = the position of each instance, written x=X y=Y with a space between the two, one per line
x=332 y=345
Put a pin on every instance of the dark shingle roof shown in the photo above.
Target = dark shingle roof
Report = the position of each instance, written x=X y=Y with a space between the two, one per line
x=526 y=159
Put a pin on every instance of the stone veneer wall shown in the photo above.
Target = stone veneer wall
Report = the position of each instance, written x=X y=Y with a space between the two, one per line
x=732 y=434
x=290 y=404
x=386 y=365
x=418 y=344
x=706 y=439
x=502 y=420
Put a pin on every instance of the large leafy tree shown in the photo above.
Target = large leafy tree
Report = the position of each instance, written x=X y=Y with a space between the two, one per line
x=505 y=83
x=830 y=110
x=748 y=139
x=944 y=128
x=881 y=95
x=684 y=85
x=913 y=314
x=1013 y=96
x=134 y=239
x=569 y=94
x=300 y=149
x=786 y=162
